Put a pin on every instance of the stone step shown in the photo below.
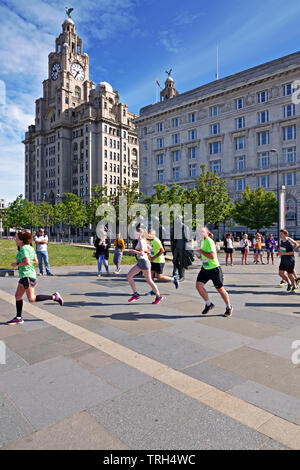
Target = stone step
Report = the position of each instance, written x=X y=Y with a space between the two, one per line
x=7 y=272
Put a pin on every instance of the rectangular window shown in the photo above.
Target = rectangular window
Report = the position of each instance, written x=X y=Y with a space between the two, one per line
x=175 y=122
x=287 y=89
x=289 y=110
x=192 y=117
x=216 y=166
x=175 y=139
x=159 y=127
x=240 y=162
x=160 y=159
x=289 y=179
x=240 y=122
x=263 y=117
x=160 y=176
x=160 y=143
x=262 y=97
x=263 y=138
x=289 y=155
x=193 y=170
x=192 y=152
x=193 y=134
x=240 y=143
x=176 y=173
x=214 y=111
x=263 y=181
x=215 y=147
x=264 y=159
x=239 y=103
x=215 y=129
x=240 y=184
x=289 y=133
x=176 y=156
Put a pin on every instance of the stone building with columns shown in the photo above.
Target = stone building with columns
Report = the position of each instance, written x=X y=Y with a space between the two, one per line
x=238 y=126
x=83 y=134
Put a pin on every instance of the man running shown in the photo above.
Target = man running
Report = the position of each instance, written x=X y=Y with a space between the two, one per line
x=26 y=258
x=211 y=270
x=287 y=261
x=158 y=261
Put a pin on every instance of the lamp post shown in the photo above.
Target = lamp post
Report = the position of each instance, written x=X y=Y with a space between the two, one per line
x=55 y=202
x=277 y=188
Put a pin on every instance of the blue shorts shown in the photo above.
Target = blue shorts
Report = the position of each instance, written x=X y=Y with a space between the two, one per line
x=270 y=250
x=257 y=251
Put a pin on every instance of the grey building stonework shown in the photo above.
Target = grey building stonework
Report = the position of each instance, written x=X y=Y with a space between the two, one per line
x=83 y=135
x=230 y=125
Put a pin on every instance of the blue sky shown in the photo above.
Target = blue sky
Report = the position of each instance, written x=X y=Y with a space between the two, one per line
x=131 y=43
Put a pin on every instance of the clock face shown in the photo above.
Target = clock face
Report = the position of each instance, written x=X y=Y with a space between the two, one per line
x=54 y=71
x=77 y=71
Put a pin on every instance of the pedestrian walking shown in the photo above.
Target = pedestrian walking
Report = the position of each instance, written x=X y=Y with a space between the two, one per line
x=41 y=242
x=118 y=253
x=270 y=247
x=102 y=245
x=157 y=259
x=211 y=270
x=228 y=246
x=143 y=265
x=25 y=260
x=245 y=247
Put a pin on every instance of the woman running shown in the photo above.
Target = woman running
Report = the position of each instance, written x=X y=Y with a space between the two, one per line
x=25 y=260
x=143 y=265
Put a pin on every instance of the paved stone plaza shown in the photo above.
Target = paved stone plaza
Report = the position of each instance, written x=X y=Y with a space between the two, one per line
x=100 y=373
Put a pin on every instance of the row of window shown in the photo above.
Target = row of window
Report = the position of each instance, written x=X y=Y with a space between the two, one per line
x=288 y=179
x=263 y=138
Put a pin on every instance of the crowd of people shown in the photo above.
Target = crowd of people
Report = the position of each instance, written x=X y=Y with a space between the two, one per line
x=149 y=251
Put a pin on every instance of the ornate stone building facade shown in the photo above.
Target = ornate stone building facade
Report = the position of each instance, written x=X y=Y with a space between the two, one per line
x=83 y=135
x=237 y=126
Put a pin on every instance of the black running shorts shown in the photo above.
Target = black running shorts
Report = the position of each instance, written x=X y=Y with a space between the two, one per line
x=27 y=281
x=215 y=275
x=288 y=269
x=157 y=267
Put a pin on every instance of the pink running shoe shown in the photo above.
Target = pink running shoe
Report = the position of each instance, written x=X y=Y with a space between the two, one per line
x=158 y=299
x=15 y=321
x=134 y=298
x=58 y=298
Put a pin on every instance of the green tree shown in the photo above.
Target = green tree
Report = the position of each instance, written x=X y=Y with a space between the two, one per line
x=98 y=197
x=44 y=215
x=257 y=209
x=71 y=212
x=20 y=214
x=211 y=191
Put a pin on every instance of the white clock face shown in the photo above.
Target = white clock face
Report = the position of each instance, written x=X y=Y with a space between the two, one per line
x=77 y=71
x=54 y=71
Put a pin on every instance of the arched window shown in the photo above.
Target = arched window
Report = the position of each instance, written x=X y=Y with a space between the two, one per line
x=291 y=212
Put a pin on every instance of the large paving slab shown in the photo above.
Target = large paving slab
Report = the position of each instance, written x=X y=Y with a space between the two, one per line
x=52 y=390
x=154 y=416
x=277 y=403
x=12 y=361
x=219 y=378
x=276 y=345
x=122 y=376
x=79 y=432
x=13 y=425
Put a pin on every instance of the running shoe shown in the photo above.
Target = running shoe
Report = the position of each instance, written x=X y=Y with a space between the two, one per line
x=150 y=293
x=117 y=271
x=228 y=311
x=297 y=281
x=15 y=321
x=282 y=283
x=175 y=282
x=58 y=298
x=289 y=287
x=294 y=290
x=158 y=299
x=134 y=297
x=208 y=308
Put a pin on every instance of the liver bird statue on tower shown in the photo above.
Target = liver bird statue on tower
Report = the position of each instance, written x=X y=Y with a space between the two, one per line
x=168 y=72
x=69 y=11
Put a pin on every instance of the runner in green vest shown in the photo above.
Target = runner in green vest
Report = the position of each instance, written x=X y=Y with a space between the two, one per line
x=211 y=270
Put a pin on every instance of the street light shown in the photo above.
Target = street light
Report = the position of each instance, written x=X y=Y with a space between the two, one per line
x=278 y=208
x=55 y=202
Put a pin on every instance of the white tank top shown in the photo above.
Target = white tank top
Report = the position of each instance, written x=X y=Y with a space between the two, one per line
x=142 y=245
